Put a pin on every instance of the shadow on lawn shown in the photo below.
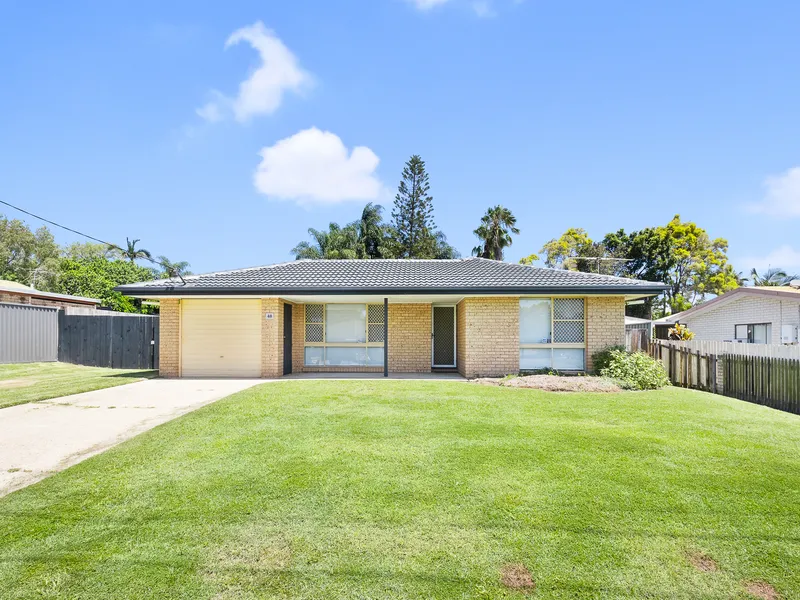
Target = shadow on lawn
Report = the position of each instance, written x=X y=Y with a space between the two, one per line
x=148 y=374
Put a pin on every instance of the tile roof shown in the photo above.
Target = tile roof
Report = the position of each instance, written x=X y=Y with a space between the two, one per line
x=469 y=275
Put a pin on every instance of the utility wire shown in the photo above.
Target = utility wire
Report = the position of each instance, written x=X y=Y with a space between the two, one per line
x=94 y=239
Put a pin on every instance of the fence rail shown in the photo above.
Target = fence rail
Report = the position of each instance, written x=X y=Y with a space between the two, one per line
x=117 y=341
x=768 y=380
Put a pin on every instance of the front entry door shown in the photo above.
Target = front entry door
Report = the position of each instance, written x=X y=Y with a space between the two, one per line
x=287 y=339
x=443 y=334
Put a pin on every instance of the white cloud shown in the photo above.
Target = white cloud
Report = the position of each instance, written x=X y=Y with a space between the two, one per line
x=782 y=195
x=262 y=92
x=483 y=9
x=785 y=257
x=427 y=4
x=315 y=166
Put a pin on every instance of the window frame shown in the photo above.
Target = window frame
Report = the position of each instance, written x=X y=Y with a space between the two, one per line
x=325 y=344
x=750 y=333
x=559 y=345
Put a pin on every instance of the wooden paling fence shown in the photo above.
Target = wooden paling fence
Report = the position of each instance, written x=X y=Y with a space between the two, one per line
x=119 y=341
x=773 y=381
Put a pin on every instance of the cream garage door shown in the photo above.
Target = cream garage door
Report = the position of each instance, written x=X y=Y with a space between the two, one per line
x=221 y=338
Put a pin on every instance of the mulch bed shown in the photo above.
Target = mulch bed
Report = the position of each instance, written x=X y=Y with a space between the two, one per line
x=554 y=383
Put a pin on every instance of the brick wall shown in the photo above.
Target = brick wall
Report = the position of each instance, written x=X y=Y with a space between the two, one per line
x=461 y=338
x=605 y=324
x=488 y=336
x=298 y=337
x=28 y=299
x=717 y=324
x=169 y=347
x=410 y=338
x=272 y=338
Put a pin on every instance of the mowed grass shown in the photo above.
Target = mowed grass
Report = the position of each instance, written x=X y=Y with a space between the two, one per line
x=401 y=489
x=30 y=382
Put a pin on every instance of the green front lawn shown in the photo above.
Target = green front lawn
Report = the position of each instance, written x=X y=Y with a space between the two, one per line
x=30 y=382
x=399 y=489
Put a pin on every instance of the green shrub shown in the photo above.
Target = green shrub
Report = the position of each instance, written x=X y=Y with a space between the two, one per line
x=601 y=359
x=635 y=370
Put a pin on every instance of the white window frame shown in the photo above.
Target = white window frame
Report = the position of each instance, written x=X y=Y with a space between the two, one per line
x=554 y=345
x=325 y=344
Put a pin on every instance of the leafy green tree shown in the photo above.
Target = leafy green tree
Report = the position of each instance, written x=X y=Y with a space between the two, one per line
x=771 y=278
x=495 y=230
x=413 y=229
x=680 y=254
x=97 y=277
x=173 y=269
x=566 y=251
x=336 y=243
x=529 y=260
x=132 y=253
x=90 y=250
x=441 y=249
x=26 y=256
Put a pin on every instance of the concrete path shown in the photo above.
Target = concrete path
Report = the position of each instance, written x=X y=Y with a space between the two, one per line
x=41 y=438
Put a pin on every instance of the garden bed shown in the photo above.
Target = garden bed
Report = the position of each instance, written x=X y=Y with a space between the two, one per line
x=554 y=383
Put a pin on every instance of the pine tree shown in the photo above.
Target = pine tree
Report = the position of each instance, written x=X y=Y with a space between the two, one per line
x=413 y=229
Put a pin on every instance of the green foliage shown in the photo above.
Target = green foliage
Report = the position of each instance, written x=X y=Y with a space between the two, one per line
x=635 y=370
x=96 y=278
x=602 y=358
x=529 y=260
x=26 y=256
x=680 y=254
x=413 y=230
x=680 y=333
x=495 y=231
x=368 y=237
x=132 y=253
x=90 y=250
x=772 y=278
x=173 y=269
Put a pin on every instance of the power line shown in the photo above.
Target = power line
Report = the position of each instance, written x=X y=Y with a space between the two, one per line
x=169 y=268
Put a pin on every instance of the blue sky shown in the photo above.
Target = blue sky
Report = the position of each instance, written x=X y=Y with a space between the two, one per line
x=141 y=121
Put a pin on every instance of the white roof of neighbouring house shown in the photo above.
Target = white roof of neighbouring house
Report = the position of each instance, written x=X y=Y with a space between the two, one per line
x=15 y=287
x=783 y=291
x=636 y=321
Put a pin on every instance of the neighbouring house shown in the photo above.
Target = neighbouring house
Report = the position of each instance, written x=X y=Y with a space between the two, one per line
x=478 y=316
x=12 y=292
x=756 y=315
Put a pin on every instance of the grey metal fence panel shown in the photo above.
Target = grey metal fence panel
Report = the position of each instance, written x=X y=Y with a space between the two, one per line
x=118 y=341
x=28 y=333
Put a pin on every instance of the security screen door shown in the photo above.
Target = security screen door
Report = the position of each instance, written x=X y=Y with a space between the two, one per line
x=444 y=336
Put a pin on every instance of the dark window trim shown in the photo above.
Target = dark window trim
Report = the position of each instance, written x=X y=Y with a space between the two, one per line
x=749 y=332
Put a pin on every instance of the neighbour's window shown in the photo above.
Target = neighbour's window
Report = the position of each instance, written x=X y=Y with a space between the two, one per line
x=552 y=334
x=757 y=333
x=343 y=335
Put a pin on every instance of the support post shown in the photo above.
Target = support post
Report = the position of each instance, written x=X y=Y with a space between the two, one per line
x=385 y=337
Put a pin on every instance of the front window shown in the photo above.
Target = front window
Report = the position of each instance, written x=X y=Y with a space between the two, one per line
x=552 y=334
x=757 y=333
x=343 y=335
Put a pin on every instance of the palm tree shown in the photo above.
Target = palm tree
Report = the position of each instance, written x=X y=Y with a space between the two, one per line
x=337 y=242
x=371 y=231
x=132 y=253
x=173 y=269
x=771 y=278
x=495 y=231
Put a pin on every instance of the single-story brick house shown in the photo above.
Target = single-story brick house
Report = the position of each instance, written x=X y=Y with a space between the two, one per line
x=755 y=315
x=477 y=316
x=12 y=292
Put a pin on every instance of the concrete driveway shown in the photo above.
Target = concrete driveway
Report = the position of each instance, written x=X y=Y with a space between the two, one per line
x=41 y=438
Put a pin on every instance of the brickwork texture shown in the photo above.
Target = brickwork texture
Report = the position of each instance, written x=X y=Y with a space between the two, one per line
x=605 y=324
x=169 y=346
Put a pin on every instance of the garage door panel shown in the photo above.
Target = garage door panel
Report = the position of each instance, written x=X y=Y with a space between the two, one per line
x=221 y=338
